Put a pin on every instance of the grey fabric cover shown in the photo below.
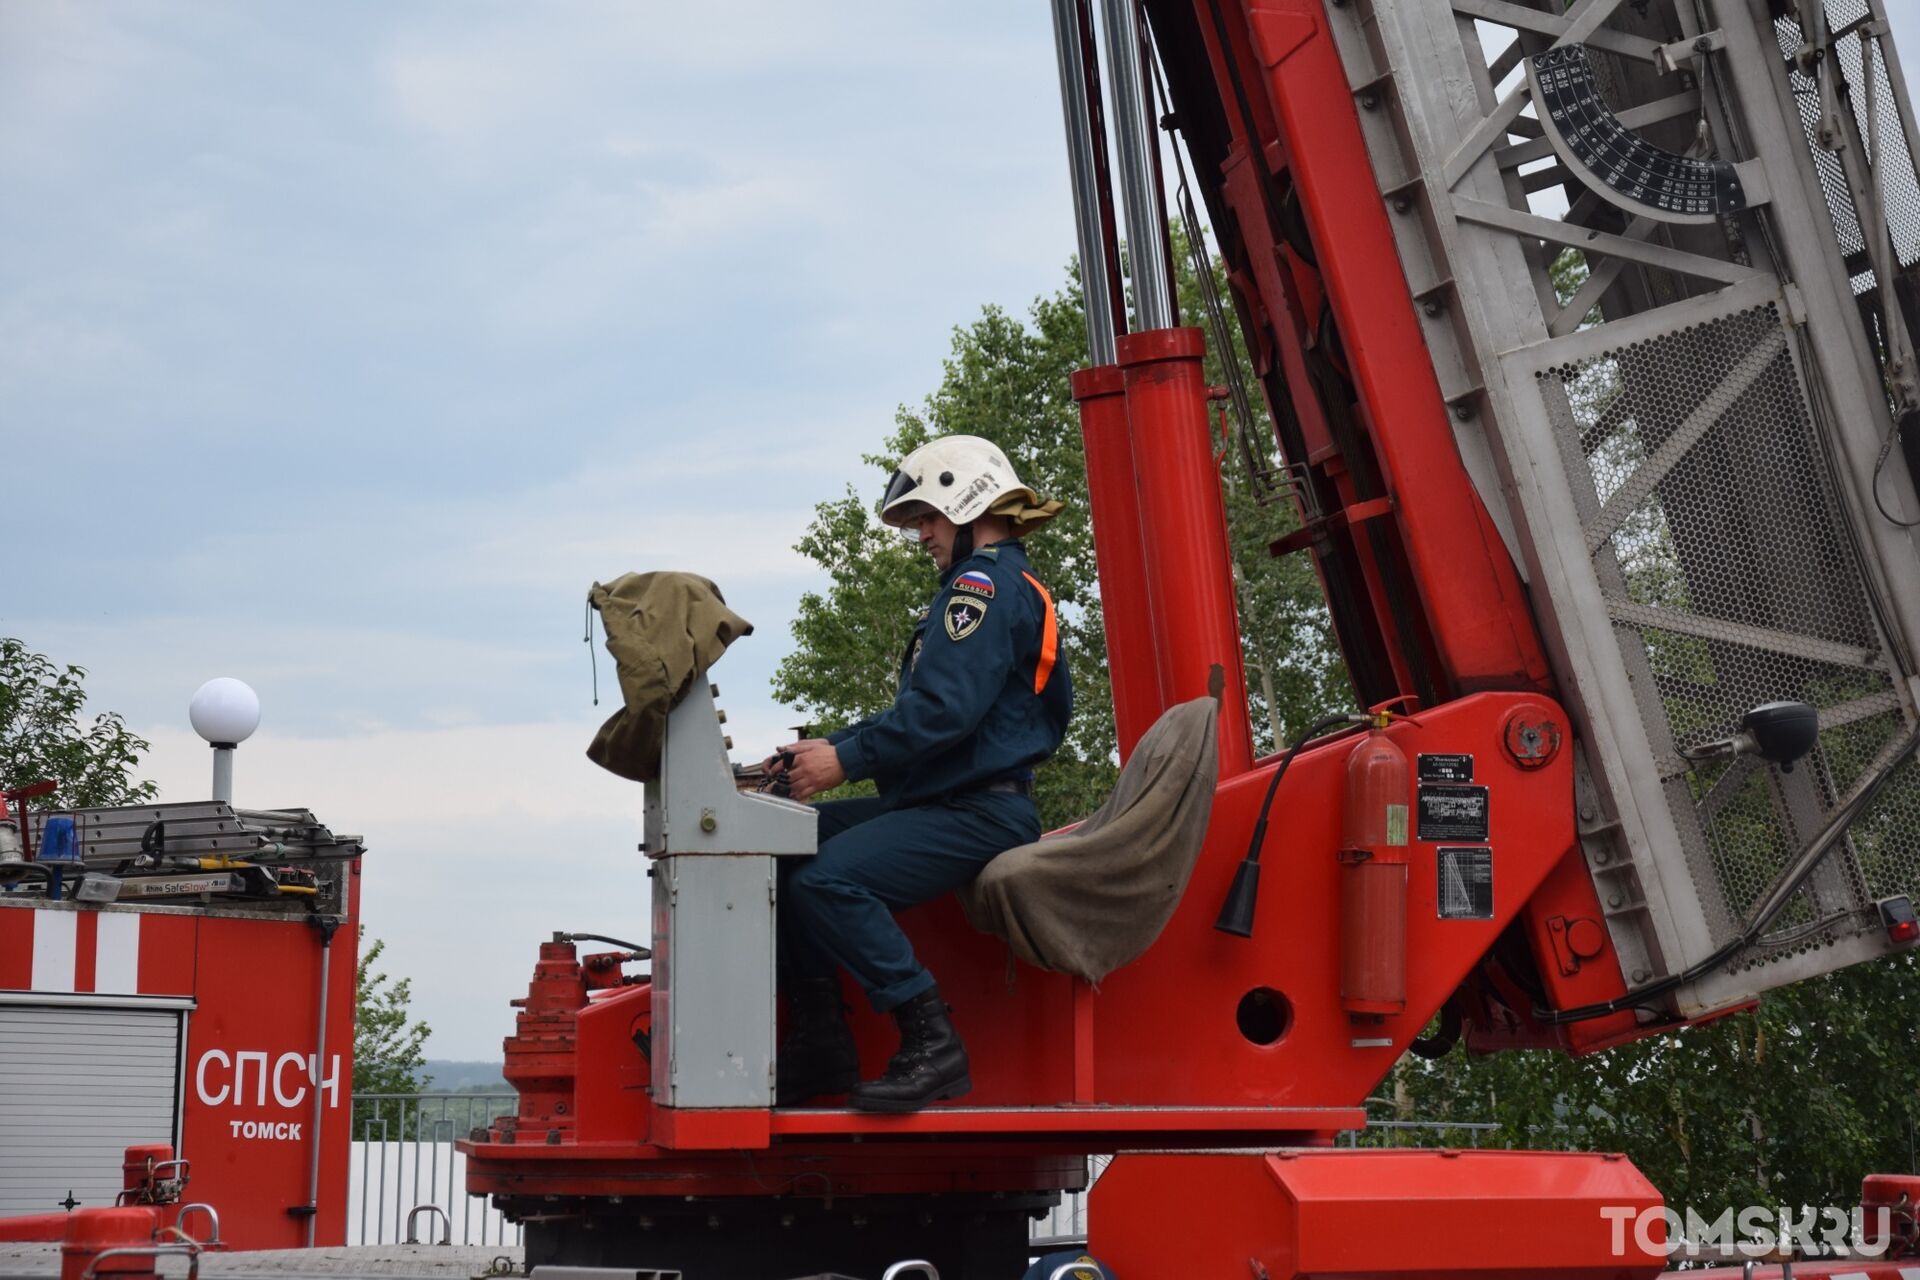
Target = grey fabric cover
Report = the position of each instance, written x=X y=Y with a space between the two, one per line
x=1091 y=898
x=664 y=630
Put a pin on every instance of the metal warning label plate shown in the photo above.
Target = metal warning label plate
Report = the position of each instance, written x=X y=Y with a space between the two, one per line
x=1453 y=813
x=1444 y=768
x=1465 y=888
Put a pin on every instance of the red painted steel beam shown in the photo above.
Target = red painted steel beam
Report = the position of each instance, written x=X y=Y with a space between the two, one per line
x=1474 y=600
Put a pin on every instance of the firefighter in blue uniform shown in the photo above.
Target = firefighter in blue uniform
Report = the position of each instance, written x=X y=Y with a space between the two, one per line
x=983 y=697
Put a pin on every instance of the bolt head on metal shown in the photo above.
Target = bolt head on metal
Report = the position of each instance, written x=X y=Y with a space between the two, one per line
x=1531 y=737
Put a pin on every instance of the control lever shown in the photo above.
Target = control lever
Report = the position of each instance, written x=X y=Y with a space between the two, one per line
x=756 y=777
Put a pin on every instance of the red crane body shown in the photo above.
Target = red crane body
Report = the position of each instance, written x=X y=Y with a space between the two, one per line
x=1397 y=859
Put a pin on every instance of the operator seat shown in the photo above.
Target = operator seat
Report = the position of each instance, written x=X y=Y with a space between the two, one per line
x=1087 y=899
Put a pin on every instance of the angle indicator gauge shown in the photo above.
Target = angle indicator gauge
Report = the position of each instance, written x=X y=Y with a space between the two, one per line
x=1616 y=162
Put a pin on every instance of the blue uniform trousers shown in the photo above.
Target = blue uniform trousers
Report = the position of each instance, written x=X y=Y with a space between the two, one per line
x=836 y=908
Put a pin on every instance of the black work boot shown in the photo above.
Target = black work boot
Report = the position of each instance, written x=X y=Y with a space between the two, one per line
x=817 y=1055
x=931 y=1064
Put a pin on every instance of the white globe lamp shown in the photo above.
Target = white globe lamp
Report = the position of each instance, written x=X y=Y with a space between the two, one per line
x=225 y=712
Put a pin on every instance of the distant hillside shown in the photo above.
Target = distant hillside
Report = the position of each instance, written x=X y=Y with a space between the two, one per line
x=443 y=1076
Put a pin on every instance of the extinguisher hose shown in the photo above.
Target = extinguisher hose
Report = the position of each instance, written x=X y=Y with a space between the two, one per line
x=1273 y=787
x=1236 y=913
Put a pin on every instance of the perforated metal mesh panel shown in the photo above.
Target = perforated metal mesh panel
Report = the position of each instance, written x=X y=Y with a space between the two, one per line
x=1901 y=187
x=1684 y=468
x=1721 y=551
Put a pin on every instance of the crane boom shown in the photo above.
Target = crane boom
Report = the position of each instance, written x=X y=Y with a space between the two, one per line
x=1585 y=332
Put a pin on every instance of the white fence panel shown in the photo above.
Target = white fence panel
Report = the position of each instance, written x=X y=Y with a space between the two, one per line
x=403 y=1159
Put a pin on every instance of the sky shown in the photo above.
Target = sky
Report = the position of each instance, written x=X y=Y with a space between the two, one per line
x=343 y=347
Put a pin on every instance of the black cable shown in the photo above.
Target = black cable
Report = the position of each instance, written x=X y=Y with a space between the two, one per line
x=1446 y=1036
x=1880 y=465
x=644 y=953
x=1260 y=826
x=1771 y=905
x=1236 y=912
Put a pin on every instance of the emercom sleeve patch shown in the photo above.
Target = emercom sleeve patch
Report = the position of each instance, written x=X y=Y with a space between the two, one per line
x=963 y=616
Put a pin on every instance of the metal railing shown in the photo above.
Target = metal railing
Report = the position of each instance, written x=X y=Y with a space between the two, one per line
x=403 y=1161
x=1390 y=1133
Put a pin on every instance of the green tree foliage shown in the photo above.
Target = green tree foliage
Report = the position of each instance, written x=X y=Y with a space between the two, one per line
x=1007 y=380
x=389 y=1053
x=44 y=733
x=1791 y=1103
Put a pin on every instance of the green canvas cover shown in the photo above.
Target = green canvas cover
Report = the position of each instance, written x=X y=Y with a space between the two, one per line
x=664 y=630
x=1093 y=897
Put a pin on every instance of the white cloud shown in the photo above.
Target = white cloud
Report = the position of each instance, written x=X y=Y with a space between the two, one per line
x=481 y=842
x=585 y=254
x=505 y=68
x=347 y=349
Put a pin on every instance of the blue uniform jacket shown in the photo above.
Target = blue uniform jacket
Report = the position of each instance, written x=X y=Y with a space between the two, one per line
x=984 y=692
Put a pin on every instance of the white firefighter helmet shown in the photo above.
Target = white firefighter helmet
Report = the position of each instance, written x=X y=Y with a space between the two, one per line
x=963 y=478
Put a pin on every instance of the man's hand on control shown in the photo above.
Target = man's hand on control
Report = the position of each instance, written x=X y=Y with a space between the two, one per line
x=815 y=768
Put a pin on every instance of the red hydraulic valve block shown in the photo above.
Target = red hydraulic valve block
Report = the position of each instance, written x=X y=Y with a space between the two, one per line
x=603 y=970
x=150 y=1175
x=540 y=1058
x=1373 y=877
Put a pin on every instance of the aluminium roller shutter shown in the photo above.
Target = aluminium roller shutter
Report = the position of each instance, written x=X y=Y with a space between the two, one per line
x=78 y=1085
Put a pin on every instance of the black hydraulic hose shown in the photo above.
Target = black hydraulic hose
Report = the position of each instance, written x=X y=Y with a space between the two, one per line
x=1770 y=906
x=644 y=953
x=1236 y=913
x=1438 y=1044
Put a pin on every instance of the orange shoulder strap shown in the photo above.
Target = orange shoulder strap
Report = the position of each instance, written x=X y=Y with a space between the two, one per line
x=1049 y=637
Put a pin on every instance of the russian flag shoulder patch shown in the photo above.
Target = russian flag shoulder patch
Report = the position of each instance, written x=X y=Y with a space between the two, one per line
x=976 y=583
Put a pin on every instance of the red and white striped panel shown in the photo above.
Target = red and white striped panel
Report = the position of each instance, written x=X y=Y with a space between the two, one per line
x=96 y=952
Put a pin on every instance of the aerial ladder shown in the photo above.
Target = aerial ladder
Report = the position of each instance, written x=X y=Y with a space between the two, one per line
x=1585 y=333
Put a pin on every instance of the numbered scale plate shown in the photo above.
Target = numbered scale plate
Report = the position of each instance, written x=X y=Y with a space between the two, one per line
x=1616 y=162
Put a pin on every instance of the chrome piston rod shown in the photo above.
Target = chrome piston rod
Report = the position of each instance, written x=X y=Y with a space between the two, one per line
x=1134 y=134
x=1086 y=181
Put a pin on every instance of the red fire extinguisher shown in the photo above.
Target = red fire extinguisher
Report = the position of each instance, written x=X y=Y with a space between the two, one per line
x=1373 y=876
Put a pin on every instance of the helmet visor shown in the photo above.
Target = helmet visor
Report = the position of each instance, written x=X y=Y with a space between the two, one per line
x=899 y=485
